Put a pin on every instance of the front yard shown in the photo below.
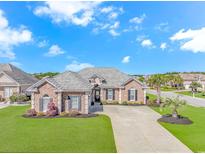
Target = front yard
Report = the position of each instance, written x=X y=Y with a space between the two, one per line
x=189 y=93
x=20 y=134
x=191 y=135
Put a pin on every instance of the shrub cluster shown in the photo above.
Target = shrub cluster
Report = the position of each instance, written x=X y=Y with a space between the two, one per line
x=52 y=109
x=18 y=98
x=31 y=112
x=2 y=99
x=104 y=102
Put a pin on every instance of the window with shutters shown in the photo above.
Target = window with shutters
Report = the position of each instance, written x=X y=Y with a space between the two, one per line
x=110 y=94
x=132 y=95
x=75 y=102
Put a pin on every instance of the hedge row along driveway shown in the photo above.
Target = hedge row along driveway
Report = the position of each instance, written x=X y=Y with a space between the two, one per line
x=19 y=134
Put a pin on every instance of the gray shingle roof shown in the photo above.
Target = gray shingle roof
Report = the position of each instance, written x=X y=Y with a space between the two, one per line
x=67 y=81
x=114 y=78
x=79 y=81
x=18 y=75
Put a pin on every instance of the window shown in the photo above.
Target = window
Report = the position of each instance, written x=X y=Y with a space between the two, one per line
x=110 y=94
x=75 y=102
x=8 y=92
x=132 y=96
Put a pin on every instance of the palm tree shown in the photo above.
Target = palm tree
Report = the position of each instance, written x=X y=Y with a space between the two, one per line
x=174 y=104
x=156 y=81
x=177 y=80
x=194 y=86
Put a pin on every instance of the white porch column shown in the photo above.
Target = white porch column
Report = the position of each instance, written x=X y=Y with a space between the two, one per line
x=32 y=101
x=145 y=93
x=86 y=103
x=120 y=96
x=59 y=102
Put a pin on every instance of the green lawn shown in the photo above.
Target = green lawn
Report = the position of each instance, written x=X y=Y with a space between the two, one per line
x=189 y=93
x=191 y=135
x=168 y=88
x=18 y=134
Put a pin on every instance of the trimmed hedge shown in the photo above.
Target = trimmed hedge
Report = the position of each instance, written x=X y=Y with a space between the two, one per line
x=18 y=98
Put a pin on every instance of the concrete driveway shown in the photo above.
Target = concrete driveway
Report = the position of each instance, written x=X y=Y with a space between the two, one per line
x=136 y=130
x=198 y=102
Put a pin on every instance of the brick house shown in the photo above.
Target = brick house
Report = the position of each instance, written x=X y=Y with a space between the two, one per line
x=85 y=89
x=13 y=80
x=193 y=77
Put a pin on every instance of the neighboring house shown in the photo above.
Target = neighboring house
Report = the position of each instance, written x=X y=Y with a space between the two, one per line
x=84 y=89
x=189 y=78
x=13 y=80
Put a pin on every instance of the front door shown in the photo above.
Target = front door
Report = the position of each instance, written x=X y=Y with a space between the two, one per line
x=97 y=95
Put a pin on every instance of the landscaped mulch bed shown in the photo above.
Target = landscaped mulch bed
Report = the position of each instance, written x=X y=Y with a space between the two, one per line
x=174 y=120
x=59 y=116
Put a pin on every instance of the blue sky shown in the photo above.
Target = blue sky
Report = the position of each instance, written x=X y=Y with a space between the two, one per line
x=135 y=37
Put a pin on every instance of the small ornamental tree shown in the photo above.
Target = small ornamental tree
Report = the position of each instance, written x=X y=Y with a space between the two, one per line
x=194 y=86
x=174 y=105
x=52 y=109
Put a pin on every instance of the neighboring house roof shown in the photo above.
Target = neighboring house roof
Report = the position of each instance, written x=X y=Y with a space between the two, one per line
x=192 y=77
x=18 y=75
x=79 y=81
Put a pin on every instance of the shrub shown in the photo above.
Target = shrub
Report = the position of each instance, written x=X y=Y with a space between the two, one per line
x=124 y=103
x=64 y=114
x=18 y=98
x=73 y=113
x=40 y=114
x=2 y=99
x=52 y=109
x=104 y=102
x=31 y=112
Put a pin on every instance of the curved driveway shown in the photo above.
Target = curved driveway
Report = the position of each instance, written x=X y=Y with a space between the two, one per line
x=136 y=130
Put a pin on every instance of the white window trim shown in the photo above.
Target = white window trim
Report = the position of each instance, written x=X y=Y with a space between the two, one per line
x=78 y=99
x=108 y=94
x=132 y=89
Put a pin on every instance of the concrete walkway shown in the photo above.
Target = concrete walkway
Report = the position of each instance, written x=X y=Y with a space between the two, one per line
x=136 y=130
x=3 y=105
x=198 y=102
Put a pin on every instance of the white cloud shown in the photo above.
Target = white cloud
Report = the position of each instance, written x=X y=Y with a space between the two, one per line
x=164 y=27
x=76 y=66
x=113 y=15
x=191 y=40
x=106 y=9
x=43 y=43
x=147 y=43
x=163 y=46
x=113 y=32
x=74 y=12
x=138 y=20
x=54 y=50
x=126 y=59
x=10 y=37
x=115 y=25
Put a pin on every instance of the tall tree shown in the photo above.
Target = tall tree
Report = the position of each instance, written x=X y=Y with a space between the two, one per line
x=156 y=81
x=177 y=80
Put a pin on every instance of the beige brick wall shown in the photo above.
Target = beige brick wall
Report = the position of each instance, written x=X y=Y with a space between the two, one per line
x=42 y=90
x=133 y=84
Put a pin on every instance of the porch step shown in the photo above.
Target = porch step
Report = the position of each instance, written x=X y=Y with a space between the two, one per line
x=96 y=108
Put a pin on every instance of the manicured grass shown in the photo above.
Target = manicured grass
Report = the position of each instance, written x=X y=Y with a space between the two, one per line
x=18 y=134
x=151 y=97
x=191 y=135
x=189 y=93
x=168 y=88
